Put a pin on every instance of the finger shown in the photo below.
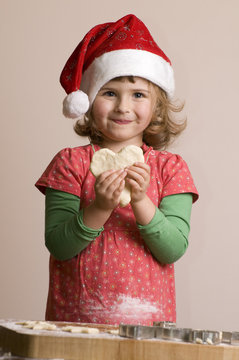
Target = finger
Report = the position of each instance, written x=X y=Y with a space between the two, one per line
x=105 y=175
x=142 y=165
x=105 y=179
x=138 y=167
x=116 y=181
x=120 y=188
x=134 y=185
x=139 y=175
x=109 y=184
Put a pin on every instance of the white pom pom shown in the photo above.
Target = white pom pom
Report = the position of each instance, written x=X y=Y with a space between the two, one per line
x=75 y=104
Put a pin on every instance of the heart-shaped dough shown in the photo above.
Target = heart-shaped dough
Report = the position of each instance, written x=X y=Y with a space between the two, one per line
x=105 y=159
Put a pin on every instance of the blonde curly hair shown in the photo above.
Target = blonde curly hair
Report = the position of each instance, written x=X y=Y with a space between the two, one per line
x=161 y=131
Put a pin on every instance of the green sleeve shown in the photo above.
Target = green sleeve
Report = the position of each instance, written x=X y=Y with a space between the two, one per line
x=65 y=233
x=167 y=234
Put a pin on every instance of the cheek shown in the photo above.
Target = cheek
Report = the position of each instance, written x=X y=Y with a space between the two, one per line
x=100 y=109
x=146 y=112
x=96 y=110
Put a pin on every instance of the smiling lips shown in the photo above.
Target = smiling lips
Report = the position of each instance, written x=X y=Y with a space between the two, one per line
x=121 y=121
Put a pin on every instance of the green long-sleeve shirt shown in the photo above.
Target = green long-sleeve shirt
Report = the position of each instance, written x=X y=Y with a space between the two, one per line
x=166 y=235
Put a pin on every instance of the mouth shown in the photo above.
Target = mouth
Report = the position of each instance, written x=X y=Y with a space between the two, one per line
x=121 y=121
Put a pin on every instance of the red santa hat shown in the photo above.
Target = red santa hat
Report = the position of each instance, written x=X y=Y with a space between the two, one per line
x=121 y=48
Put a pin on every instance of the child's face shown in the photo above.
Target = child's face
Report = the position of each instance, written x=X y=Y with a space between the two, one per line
x=123 y=109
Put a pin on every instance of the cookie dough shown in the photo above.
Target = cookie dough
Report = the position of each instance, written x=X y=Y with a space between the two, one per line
x=105 y=159
x=113 y=332
x=209 y=341
x=80 y=329
x=37 y=325
x=199 y=341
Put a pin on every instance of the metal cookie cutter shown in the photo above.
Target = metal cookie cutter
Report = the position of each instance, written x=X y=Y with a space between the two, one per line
x=206 y=337
x=167 y=324
x=235 y=338
x=173 y=334
x=137 y=331
x=226 y=337
x=231 y=338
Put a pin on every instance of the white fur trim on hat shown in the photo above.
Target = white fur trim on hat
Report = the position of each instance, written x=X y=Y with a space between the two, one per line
x=127 y=62
x=75 y=104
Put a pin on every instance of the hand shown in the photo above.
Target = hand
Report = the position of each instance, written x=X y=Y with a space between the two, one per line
x=138 y=177
x=108 y=188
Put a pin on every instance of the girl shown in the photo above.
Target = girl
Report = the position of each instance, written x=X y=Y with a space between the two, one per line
x=110 y=264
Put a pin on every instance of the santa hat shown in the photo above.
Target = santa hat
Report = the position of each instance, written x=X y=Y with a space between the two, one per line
x=121 y=48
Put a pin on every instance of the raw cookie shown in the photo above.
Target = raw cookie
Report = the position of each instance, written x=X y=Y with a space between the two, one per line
x=209 y=341
x=199 y=341
x=37 y=325
x=113 y=332
x=80 y=329
x=105 y=159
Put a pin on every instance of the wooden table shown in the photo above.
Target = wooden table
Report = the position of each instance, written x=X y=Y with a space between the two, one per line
x=44 y=344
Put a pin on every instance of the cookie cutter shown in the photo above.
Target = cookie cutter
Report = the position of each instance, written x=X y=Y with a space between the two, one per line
x=167 y=324
x=206 y=337
x=168 y=331
x=173 y=334
x=230 y=337
x=226 y=337
x=137 y=331
x=235 y=338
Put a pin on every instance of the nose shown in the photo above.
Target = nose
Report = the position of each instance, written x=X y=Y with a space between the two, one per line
x=123 y=104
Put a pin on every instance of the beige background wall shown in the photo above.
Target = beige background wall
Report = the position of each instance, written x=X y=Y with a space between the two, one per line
x=201 y=38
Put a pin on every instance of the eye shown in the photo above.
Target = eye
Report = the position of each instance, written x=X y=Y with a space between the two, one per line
x=109 y=93
x=139 y=95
